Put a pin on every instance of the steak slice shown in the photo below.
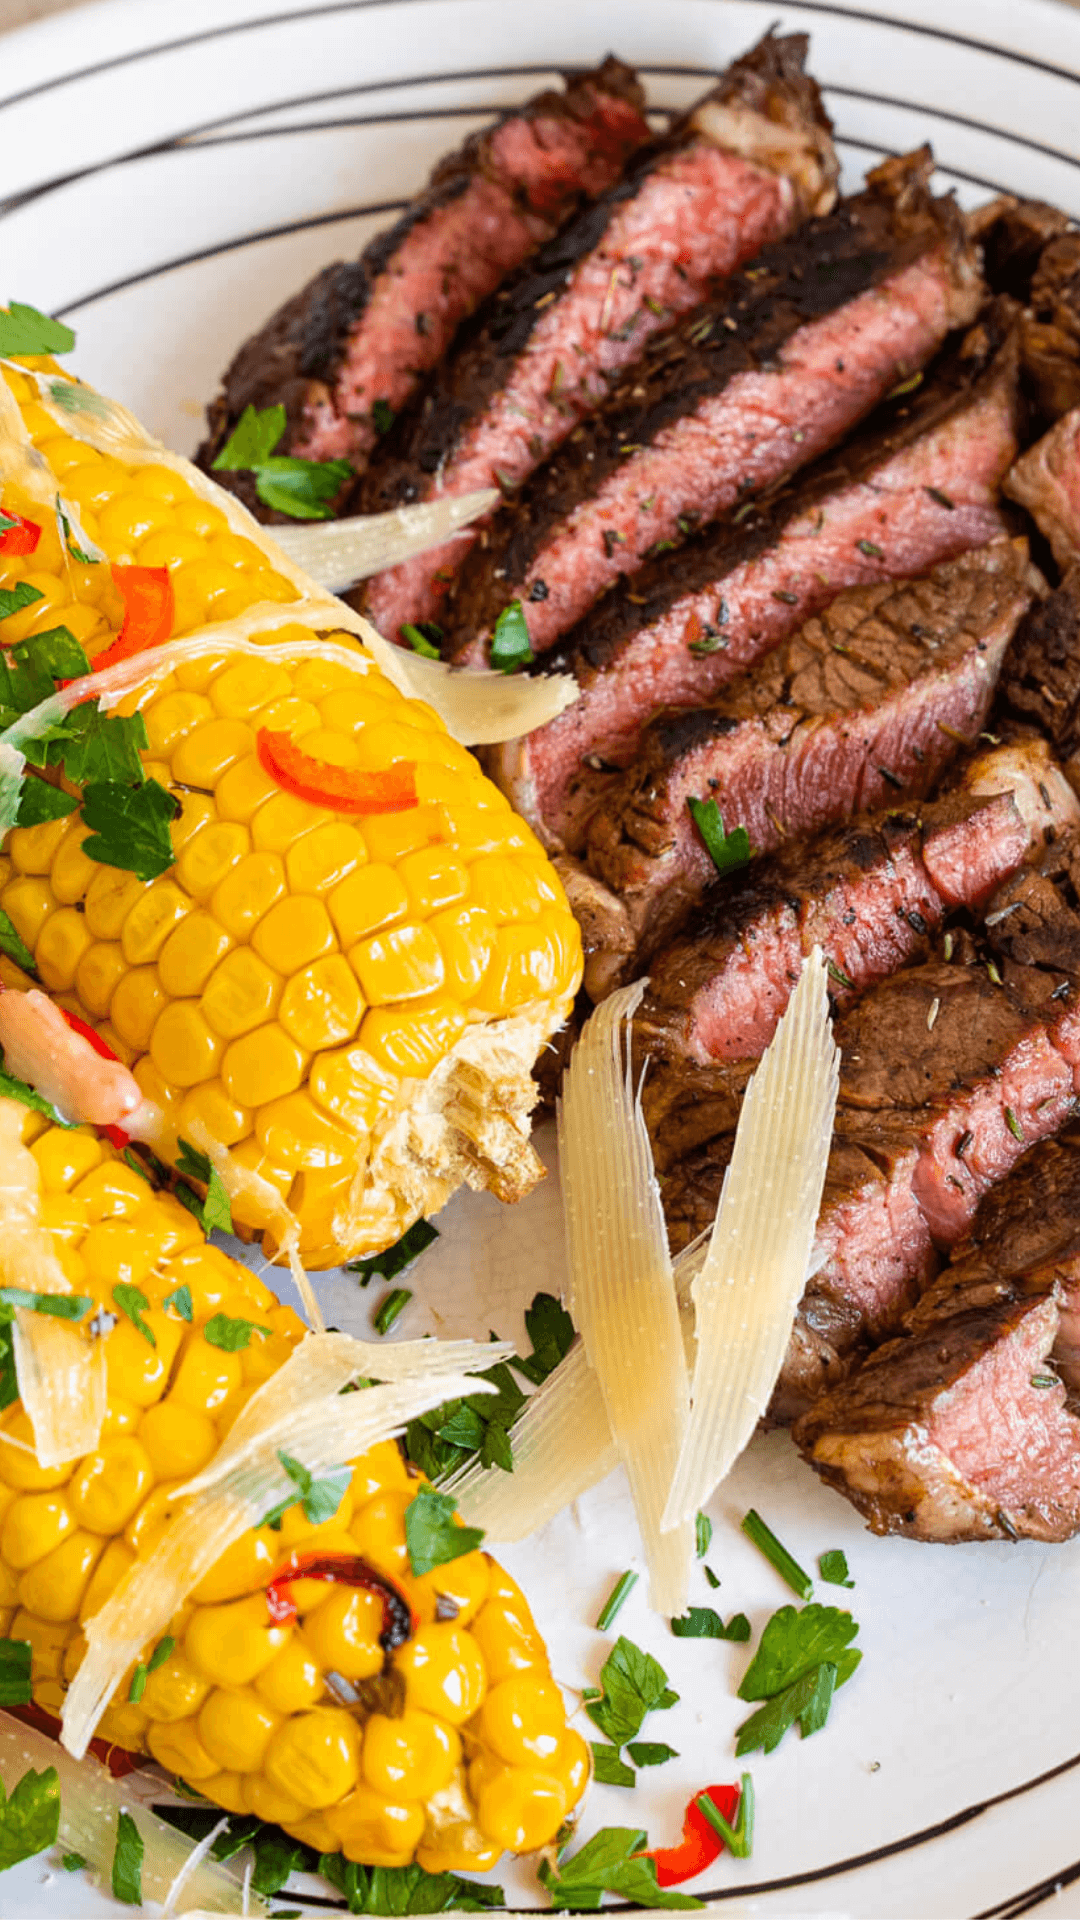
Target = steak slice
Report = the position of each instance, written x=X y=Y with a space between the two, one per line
x=867 y=701
x=743 y=391
x=871 y=895
x=1012 y=235
x=1046 y=480
x=1051 y=330
x=963 y=1429
x=1040 y=681
x=916 y=487
x=751 y=160
x=366 y=331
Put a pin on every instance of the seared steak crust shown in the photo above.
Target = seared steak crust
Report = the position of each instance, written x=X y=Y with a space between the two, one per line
x=1051 y=334
x=870 y=699
x=745 y=388
x=485 y=208
x=961 y=1429
x=695 y=204
x=1040 y=681
x=918 y=486
x=1046 y=480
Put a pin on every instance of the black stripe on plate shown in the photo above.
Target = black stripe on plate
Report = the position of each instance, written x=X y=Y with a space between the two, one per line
x=264 y=21
x=1032 y=1897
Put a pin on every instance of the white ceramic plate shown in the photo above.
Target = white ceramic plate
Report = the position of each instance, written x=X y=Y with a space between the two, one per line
x=172 y=175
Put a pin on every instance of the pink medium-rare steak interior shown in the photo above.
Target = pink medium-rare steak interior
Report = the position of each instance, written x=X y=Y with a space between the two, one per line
x=1046 y=480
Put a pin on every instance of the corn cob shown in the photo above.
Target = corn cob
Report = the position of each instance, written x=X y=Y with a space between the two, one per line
x=349 y=1007
x=462 y=1750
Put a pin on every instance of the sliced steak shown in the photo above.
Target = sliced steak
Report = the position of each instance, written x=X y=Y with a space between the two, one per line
x=1051 y=331
x=751 y=160
x=743 y=391
x=366 y=331
x=1040 y=681
x=867 y=701
x=871 y=895
x=962 y=1429
x=916 y=487
x=1012 y=235
x=1046 y=480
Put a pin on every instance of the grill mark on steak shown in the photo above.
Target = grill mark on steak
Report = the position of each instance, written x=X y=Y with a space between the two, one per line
x=962 y=1429
x=916 y=487
x=948 y=1074
x=866 y=702
x=693 y=206
x=871 y=895
x=1046 y=480
x=744 y=390
x=367 y=329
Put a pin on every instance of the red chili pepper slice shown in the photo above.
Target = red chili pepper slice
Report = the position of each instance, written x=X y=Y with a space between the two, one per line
x=700 y=1844
x=149 y=611
x=344 y=789
x=349 y=1570
x=115 y=1135
x=20 y=539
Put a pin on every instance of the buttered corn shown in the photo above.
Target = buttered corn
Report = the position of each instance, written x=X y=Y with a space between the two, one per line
x=301 y=983
x=449 y=1750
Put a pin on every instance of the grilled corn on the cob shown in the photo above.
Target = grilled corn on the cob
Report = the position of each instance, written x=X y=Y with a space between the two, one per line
x=350 y=1004
x=453 y=1747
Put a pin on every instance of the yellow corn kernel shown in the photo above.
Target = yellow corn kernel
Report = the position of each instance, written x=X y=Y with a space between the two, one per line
x=66 y=1219
x=466 y=937
x=61 y=945
x=119 y=1250
x=110 y=897
x=33 y=849
x=107 y=1575
x=171 y=717
x=209 y=855
x=523 y=1719
x=161 y=907
x=183 y=1046
x=206 y=1376
x=412 y=1040
x=176 y=1746
x=376 y=1830
x=323 y=858
x=530 y=963
x=293 y=1680
x=389 y=836
x=293 y=933
x=178 y=1440
x=414 y=1755
x=28 y=904
x=263 y=1066
x=522 y=1808
x=138 y=999
x=343 y=1632
x=147 y=1525
x=403 y=964
x=460 y=1848
x=47 y=1640
x=55 y=1586
x=242 y=1568
x=315 y=1756
x=241 y=689
x=227 y=1790
x=280 y=823
x=367 y=901
x=267 y=1802
x=231 y=1644
x=506 y=1631
x=190 y=954
x=34 y=1524
x=235 y=1726
x=435 y=877
x=444 y=1673
x=322 y=1004
x=461 y=1585
x=201 y=757
x=350 y=1085
x=110 y=1191
x=134 y=1367
x=248 y=892
x=98 y=974
x=64 y=1157
x=211 y=1106
x=243 y=789
x=174 y=1691
x=293 y=1133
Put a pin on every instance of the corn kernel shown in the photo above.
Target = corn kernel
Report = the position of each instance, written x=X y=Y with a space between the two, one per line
x=294 y=932
x=376 y=1830
x=206 y=1377
x=176 y=1746
x=281 y=822
x=202 y=757
x=54 y=1587
x=134 y=1367
x=210 y=855
x=523 y=1719
x=324 y=857
x=466 y=937
x=506 y=1631
x=190 y=954
x=241 y=689
x=248 y=892
x=160 y=907
x=47 y=1639
x=171 y=717
x=413 y=1755
x=236 y=1727
x=244 y=1567
x=28 y=904
x=212 y=1107
x=243 y=789
x=522 y=1808
x=34 y=1524
x=178 y=1440
x=293 y=1133
x=443 y=1670
x=119 y=1251
x=315 y=1756
x=110 y=1191
x=351 y=1086
x=110 y=897
x=64 y=1157
x=404 y=964
x=293 y=1680
x=183 y=1046
x=61 y=945
x=18 y=1463
x=98 y=974
x=138 y=999
x=389 y=836
x=411 y=1041
x=322 y=1004
x=366 y=902
x=343 y=1632
x=33 y=849
x=435 y=878
x=263 y=1066
x=231 y=1644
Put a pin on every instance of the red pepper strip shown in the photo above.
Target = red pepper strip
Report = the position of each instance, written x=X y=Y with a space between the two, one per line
x=115 y=1135
x=149 y=611
x=344 y=789
x=21 y=538
x=349 y=1570
x=700 y=1844
x=118 y=1760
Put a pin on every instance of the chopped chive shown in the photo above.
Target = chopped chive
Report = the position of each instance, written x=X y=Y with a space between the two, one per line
x=712 y=1578
x=777 y=1555
x=390 y=1306
x=739 y=1839
x=702 y=1535
x=71 y=1862
x=138 y=1684
x=161 y=1653
x=838 y=974
x=868 y=547
x=905 y=386
x=616 y=1599
x=1013 y=1125
x=1044 y=1380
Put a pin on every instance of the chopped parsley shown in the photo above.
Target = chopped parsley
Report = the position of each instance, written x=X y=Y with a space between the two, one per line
x=133 y=1302
x=130 y=827
x=632 y=1685
x=303 y=489
x=803 y=1656
x=164 y=1648
x=61 y=1306
x=433 y=1535
x=703 y=1531
x=29 y=1817
x=613 y=1861
x=833 y=1567
x=232 y=1336
x=71 y=1862
x=39 y=801
x=180 y=1302
x=390 y=1308
x=727 y=851
x=443 y=1440
x=26 y=332
x=215 y=1210
x=396 y=1258
x=320 y=1499
x=650 y=1753
x=128 y=1862
x=9 y=1384
x=704 y=1623
x=510 y=645
x=14 y=599
x=609 y=1768
x=15 y=1687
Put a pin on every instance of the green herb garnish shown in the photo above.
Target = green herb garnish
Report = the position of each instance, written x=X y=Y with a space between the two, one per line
x=133 y=1302
x=833 y=1567
x=215 y=1209
x=390 y=1308
x=423 y=638
x=130 y=827
x=510 y=645
x=616 y=1599
x=704 y=1623
x=727 y=851
x=650 y=1753
x=609 y=1768
x=739 y=1839
x=396 y=1258
x=232 y=1336
x=29 y=1817
x=613 y=1861
x=304 y=489
x=25 y=332
x=777 y=1555
x=703 y=1531
x=432 y=1534
x=128 y=1861
x=320 y=1498
x=15 y=1686
x=803 y=1656
x=632 y=1684
x=13 y=946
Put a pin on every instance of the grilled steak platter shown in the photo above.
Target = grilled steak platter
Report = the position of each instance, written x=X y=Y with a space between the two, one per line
x=790 y=487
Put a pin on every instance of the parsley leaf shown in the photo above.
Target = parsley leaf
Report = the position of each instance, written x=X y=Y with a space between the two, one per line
x=232 y=1336
x=130 y=827
x=304 y=489
x=15 y=948
x=833 y=1567
x=180 y=1302
x=61 y=1306
x=164 y=1648
x=650 y=1753
x=633 y=1684
x=405 y=1890
x=71 y=1862
x=40 y=801
x=609 y=1768
x=795 y=1640
x=215 y=1210
x=551 y=1331
x=127 y=1861
x=704 y=1623
x=30 y=670
x=14 y=599
x=807 y=1700
x=510 y=646
x=29 y=1817
x=23 y=330
x=396 y=1258
x=9 y=1384
x=727 y=851
x=613 y=1861
x=132 y=1301
x=15 y=1687
x=442 y=1440
x=98 y=746
x=320 y=1499
x=432 y=1533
